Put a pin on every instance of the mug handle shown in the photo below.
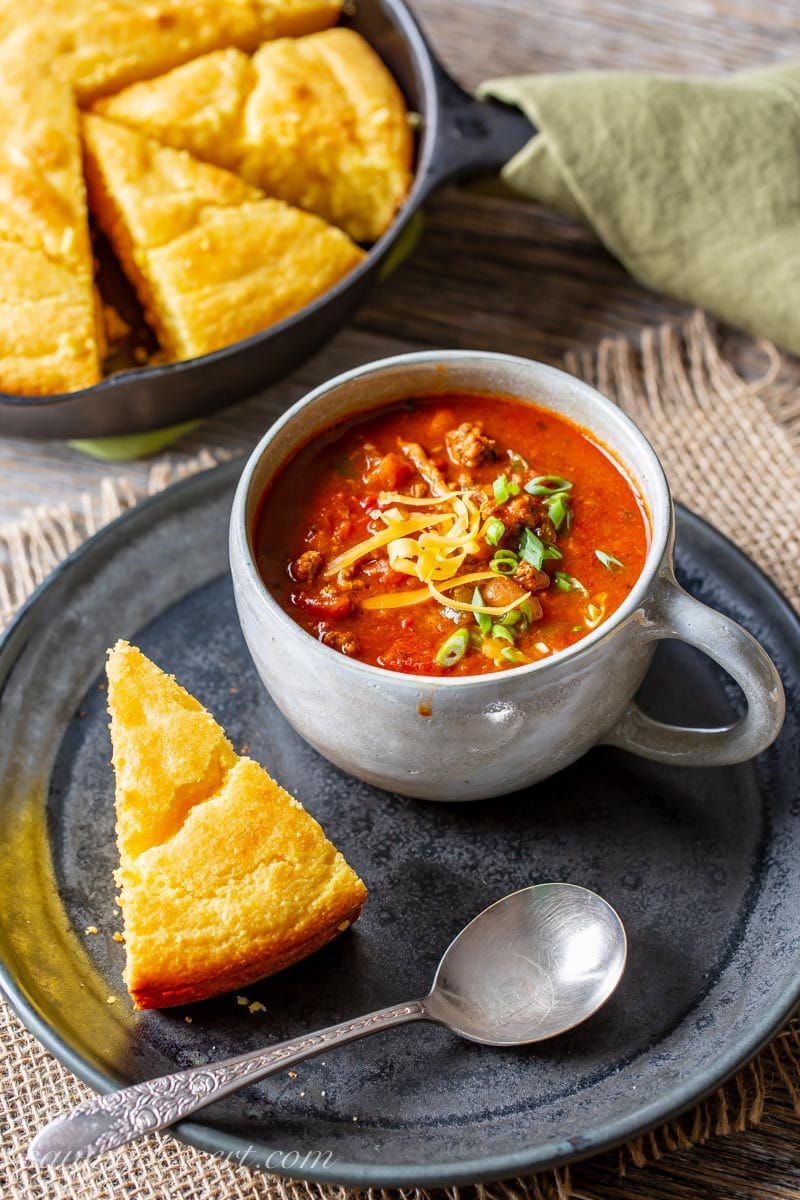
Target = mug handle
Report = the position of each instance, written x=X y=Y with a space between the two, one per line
x=676 y=614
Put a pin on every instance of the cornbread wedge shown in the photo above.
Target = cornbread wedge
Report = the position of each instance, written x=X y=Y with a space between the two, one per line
x=224 y=877
x=103 y=45
x=318 y=122
x=211 y=258
x=49 y=321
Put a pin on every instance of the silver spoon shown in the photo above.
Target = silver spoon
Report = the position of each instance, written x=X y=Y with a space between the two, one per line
x=529 y=967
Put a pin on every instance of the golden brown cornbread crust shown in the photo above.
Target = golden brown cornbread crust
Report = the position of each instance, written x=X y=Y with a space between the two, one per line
x=212 y=259
x=49 y=316
x=224 y=877
x=316 y=121
x=100 y=46
x=190 y=991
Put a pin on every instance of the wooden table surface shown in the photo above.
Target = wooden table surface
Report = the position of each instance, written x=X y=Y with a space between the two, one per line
x=500 y=274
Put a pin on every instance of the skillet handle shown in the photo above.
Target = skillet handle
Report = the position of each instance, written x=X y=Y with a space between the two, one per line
x=473 y=137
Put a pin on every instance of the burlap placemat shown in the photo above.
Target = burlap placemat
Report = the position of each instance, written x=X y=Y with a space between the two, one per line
x=723 y=439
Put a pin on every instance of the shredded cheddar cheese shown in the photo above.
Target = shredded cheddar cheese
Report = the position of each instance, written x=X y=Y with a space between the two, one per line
x=381 y=539
x=443 y=541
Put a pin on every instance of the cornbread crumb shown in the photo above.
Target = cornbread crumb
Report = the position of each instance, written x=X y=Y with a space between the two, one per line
x=342 y=926
x=188 y=1020
x=117 y=936
x=242 y=1000
x=292 y=1074
x=111 y=1000
x=256 y=1006
x=117 y=328
x=92 y=929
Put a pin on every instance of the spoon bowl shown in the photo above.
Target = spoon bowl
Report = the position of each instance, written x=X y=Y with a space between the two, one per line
x=529 y=967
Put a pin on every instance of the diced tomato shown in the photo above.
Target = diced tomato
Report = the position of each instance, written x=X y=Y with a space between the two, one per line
x=381 y=572
x=389 y=473
x=324 y=606
x=442 y=421
x=410 y=657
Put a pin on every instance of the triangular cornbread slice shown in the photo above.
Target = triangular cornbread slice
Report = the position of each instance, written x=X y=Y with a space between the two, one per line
x=316 y=121
x=212 y=259
x=224 y=877
x=49 y=324
x=100 y=46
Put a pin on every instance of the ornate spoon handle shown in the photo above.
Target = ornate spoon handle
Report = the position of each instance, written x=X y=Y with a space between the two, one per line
x=105 y=1122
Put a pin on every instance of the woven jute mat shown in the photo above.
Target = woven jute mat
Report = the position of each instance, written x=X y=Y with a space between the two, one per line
x=731 y=448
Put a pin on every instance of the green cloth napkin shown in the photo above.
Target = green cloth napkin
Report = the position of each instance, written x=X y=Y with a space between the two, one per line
x=694 y=184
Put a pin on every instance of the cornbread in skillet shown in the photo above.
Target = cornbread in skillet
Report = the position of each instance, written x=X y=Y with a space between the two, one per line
x=224 y=877
x=212 y=259
x=318 y=122
x=49 y=322
x=103 y=45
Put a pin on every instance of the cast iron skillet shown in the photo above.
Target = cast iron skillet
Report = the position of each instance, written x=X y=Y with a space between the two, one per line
x=459 y=136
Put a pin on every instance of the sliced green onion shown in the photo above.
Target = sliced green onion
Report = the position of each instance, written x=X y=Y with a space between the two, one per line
x=526 y=616
x=505 y=562
x=453 y=648
x=542 y=647
x=483 y=619
x=568 y=583
x=547 y=485
x=494 y=531
x=500 y=631
x=609 y=562
x=504 y=489
x=475 y=639
x=577 y=628
x=511 y=618
x=558 y=510
x=518 y=463
x=511 y=654
x=534 y=550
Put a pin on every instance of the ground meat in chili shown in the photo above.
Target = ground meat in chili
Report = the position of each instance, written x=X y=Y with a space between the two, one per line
x=530 y=578
x=468 y=446
x=346 y=643
x=307 y=567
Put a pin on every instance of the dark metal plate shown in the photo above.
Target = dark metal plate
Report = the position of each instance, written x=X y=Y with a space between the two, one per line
x=702 y=865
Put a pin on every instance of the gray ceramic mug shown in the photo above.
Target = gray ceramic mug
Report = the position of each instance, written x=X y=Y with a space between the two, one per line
x=484 y=735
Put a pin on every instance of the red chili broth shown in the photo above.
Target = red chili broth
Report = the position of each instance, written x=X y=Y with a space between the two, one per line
x=322 y=498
